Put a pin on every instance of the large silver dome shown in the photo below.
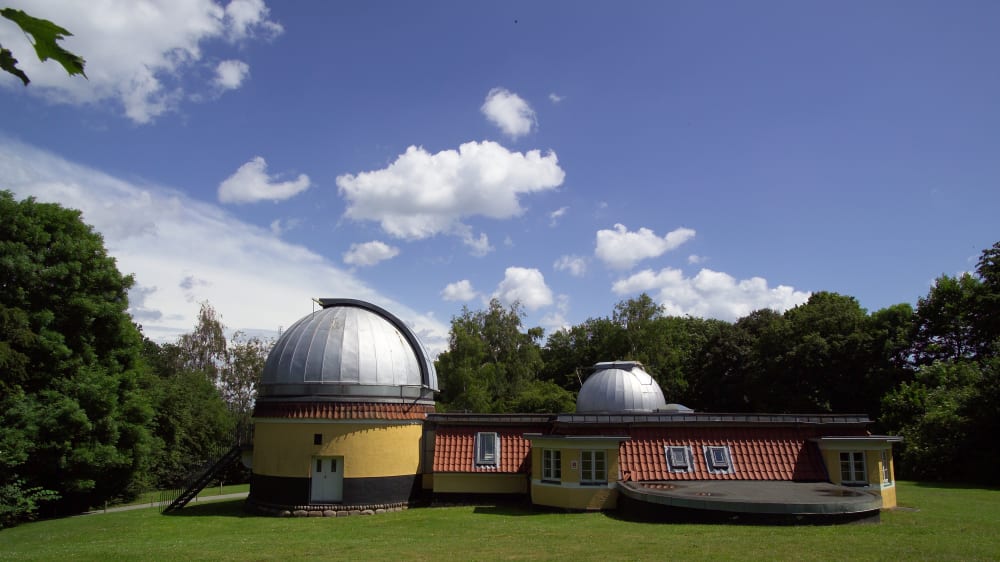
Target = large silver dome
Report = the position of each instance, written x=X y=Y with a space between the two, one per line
x=349 y=351
x=619 y=387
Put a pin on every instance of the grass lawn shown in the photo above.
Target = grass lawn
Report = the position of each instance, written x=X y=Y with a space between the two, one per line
x=153 y=497
x=949 y=523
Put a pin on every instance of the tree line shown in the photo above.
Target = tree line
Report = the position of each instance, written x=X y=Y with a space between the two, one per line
x=930 y=374
x=90 y=409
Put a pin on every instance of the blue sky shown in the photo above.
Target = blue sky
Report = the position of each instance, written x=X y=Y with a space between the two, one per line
x=720 y=156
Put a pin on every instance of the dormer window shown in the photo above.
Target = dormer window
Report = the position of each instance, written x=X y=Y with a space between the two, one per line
x=487 y=449
x=679 y=458
x=718 y=460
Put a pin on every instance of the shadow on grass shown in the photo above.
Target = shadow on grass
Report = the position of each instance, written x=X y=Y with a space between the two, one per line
x=221 y=508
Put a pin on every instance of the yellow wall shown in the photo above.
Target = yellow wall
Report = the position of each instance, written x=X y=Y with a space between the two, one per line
x=873 y=469
x=480 y=483
x=369 y=449
x=569 y=493
x=573 y=497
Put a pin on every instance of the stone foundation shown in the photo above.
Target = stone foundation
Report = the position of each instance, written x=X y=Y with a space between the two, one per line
x=323 y=510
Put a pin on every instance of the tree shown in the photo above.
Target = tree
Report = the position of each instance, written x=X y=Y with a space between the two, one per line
x=45 y=36
x=489 y=361
x=73 y=419
x=945 y=320
x=240 y=376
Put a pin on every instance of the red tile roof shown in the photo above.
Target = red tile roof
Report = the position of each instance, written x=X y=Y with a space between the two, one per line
x=454 y=448
x=758 y=453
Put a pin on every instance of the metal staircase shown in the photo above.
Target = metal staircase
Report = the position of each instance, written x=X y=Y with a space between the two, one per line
x=194 y=488
x=241 y=439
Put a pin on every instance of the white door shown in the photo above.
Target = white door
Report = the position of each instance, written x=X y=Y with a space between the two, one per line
x=327 y=479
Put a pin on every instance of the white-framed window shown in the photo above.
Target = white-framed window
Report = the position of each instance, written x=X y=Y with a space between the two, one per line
x=717 y=459
x=593 y=467
x=852 y=468
x=551 y=465
x=886 y=471
x=679 y=458
x=487 y=449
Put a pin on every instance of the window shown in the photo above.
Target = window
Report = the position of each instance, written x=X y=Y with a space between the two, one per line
x=886 y=472
x=487 y=449
x=679 y=459
x=852 y=468
x=551 y=465
x=593 y=468
x=718 y=459
x=317 y=438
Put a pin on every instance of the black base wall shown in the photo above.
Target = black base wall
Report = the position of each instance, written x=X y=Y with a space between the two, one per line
x=283 y=490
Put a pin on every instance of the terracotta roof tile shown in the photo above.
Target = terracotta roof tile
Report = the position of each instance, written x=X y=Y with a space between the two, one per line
x=757 y=453
x=454 y=449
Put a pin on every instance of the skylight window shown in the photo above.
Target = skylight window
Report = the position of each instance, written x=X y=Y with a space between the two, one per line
x=679 y=458
x=718 y=460
x=487 y=449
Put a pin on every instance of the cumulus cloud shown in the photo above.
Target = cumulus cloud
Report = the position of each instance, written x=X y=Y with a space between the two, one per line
x=556 y=98
x=369 y=253
x=461 y=291
x=187 y=248
x=710 y=294
x=575 y=265
x=525 y=285
x=142 y=54
x=230 y=74
x=556 y=319
x=554 y=216
x=622 y=249
x=509 y=112
x=281 y=226
x=696 y=259
x=422 y=194
x=251 y=183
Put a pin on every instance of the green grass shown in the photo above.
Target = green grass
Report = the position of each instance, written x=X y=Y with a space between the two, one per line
x=950 y=523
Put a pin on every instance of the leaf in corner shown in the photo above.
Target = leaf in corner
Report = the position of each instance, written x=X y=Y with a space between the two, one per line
x=45 y=35
x=9 y=64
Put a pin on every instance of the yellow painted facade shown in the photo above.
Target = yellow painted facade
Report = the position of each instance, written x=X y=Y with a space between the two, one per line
x=873 y=466
x=480 y=483
x=569 y=492
x=372 y=449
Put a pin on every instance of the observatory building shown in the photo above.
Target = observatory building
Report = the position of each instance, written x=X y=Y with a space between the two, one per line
x=345 y=422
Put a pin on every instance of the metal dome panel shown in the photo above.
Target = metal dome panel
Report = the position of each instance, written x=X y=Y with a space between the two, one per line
x=619 y=387
x=351 y=350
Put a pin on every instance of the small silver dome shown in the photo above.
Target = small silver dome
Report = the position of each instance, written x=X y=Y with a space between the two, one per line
x=619 y=387
x=349 y=351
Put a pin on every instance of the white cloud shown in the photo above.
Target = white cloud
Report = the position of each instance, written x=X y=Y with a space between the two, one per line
x=710 y=294
x=556 y=98
x=526 y=285
x=556 y=320
x=423 y=194
x=510 y=112
x=575 y=265
x=281 y=226
x=478 y=247
x=143 y=54
x=554 y=216
x=180 y=249
x=621 y=249
x=230 y=74
x=251 y=183
x=246 y=18
x=695 y=259
x=370 y=253
x=461 y=291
